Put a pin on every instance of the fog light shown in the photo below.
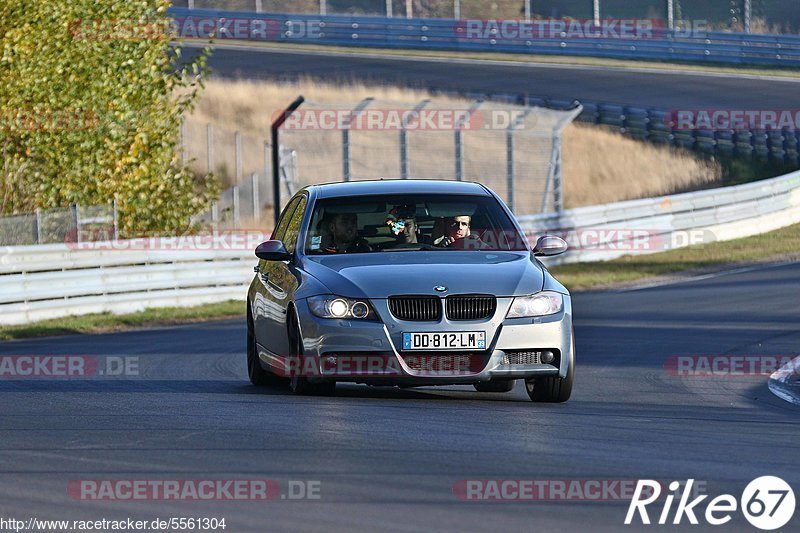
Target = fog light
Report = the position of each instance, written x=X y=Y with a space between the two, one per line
x=548 y=357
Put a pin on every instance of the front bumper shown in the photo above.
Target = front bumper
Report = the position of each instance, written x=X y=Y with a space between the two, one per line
x=349 y=350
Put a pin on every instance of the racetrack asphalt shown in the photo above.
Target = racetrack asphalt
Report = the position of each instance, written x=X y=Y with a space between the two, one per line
x=663 y=90
x=389 y=459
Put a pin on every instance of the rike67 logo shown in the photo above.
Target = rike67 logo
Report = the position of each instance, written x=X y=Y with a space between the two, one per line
x=767 y=503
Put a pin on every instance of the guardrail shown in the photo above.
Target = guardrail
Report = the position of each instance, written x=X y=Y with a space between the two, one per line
x=604 y=232
x=54 y=280
x=450 y=34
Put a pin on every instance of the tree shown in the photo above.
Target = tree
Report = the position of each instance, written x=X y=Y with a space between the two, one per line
x=91 y=100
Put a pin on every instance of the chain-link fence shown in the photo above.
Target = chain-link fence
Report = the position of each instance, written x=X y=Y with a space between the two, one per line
x=74 y=224
x=758 y=16
x=513 y=149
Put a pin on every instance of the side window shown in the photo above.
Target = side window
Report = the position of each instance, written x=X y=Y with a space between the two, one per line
x=283 y=223
x=293 y=228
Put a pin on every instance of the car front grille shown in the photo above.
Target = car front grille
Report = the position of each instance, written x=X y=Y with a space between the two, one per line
x=522 y=358
x=470 y=307
x=529 y=357
x=416 y=308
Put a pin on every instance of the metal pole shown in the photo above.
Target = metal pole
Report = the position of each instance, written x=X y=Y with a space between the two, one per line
x=276 y=155
x=237 y=137
x=215 y=215
x=389 y=9
x=404 y=138
x=323 y=7
x=748 y=14
x=346 y=136
x=256 y=202
x=191 y=4
x=209 y=148
x=459 y=141
x=235 y=192
x=77 y=222
x=116 y=219
x=596 y=12
x=409 y=9
x=671 y=14
x=259 y=6
x=510 y=168
x=38 y=226
x=457 y=9
x=527 y=9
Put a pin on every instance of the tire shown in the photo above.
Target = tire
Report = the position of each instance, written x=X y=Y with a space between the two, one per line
x=298 y=384
x=258 y=376
x=500 y=385
x=552 y=389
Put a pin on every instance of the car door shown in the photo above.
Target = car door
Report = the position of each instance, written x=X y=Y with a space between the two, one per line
x=280 y=283
x=265 y=302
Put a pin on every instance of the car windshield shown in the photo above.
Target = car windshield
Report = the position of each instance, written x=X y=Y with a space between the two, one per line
x=411 y=222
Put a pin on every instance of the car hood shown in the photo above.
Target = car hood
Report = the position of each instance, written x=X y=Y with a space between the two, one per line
x=380 y=275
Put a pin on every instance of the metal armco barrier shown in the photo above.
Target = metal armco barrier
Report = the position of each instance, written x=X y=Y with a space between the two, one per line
x=450 y=34
x=55 y=280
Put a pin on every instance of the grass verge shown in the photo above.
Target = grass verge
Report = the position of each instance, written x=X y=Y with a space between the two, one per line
x=105 y=323
x=774 y=246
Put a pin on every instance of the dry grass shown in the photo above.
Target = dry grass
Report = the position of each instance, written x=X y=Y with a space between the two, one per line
x=599 y=166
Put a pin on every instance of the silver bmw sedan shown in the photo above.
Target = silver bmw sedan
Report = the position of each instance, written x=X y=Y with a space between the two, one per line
x=407 y=283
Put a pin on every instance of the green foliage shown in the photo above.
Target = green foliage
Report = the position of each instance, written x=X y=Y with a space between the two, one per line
x=91 y=100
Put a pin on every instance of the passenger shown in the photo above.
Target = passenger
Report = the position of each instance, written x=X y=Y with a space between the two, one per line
x=343 y=235
x=403 y=224
x=456 y=230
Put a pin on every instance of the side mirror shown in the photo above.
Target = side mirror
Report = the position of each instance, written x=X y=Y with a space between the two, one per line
x=273 y=251
x=549 y=245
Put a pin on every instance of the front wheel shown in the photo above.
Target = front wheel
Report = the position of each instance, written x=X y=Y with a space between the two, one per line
x=258 y=376
x=552 y=389
x=299 y=384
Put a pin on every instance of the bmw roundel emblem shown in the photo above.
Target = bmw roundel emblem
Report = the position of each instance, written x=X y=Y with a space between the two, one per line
x=440 y=288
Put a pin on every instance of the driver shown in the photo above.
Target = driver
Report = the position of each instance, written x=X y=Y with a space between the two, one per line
x=343 y=229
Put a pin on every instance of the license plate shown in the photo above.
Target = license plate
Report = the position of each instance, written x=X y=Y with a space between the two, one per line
x=460 y=340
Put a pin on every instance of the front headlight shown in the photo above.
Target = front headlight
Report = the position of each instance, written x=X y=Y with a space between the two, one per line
x=540 y=304
x=339 y=307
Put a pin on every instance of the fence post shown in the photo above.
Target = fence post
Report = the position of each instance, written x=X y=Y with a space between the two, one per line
x=209 y=148
x=748 y=15
x=404 y=138
x=235 y=192
x=457 y=9
x=237 y=137
x=389 y=9
x=215 y=215
x=346 y=136
x=459 y=141
x=259 y=6
x=191 y=4
x=115 y=216
x=38 y=225
x=510 y=169
x=76 y=222
x=596 y=12
x=409 y=9
x=527 y=9
x=671 y=15
x=323 y=7
x=256 y=201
